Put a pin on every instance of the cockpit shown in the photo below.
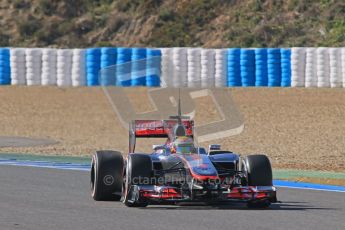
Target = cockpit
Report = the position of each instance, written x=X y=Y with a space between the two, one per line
x=186 y=148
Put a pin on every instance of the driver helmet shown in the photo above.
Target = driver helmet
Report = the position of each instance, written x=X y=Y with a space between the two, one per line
x=183 y=145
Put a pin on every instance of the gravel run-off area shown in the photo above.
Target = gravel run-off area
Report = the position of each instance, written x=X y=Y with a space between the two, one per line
x=296 y=128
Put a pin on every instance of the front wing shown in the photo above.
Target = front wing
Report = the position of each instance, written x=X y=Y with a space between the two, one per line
x=169 y=195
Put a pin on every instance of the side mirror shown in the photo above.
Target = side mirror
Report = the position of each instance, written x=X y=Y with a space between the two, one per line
x=202 y=151
x=213 y=147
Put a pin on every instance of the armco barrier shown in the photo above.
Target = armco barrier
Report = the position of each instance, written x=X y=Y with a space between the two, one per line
x=273 y=67
x=323 y=67
x=207 y=68
x=33 y=63
x=108 y=63
x=234 y=68
x=17 y=63
x=49 y=66
x=166 y=66
x=310 y=68
x=5 y=70
x=261 y=77
x=108 y=56
x=153 y=64
x=285 y=61
x=93 y=66
x=138 y=68
x=177 y=67
x=194 y=67
x=247 y=63
x=336 y=78
x=123 y=68
x=64 y=67
x=220 y=70
x=78 y=67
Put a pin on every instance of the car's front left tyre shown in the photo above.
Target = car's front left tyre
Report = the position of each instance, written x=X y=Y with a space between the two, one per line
x=138 y=172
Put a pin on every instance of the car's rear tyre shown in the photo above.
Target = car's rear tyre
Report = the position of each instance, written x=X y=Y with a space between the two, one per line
x=138 y=172
x=106 y=175
x=259 y=173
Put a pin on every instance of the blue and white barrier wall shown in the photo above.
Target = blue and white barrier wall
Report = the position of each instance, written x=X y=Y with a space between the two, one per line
x=5 y=70
x=177 y=67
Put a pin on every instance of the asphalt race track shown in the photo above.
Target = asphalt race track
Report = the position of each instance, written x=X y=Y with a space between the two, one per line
x=39 y=198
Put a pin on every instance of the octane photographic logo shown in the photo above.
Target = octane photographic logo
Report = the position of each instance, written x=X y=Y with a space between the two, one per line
x=176 y=180
x=164 y=102
x=108 y=180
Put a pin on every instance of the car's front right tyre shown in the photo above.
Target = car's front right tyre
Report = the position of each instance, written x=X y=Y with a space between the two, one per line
x=106 y=175
x=259 y=173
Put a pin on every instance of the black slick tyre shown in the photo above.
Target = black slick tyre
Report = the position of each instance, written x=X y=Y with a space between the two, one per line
x=259 y=173
x=138 y=172
x=106 y=175
x=259 y=170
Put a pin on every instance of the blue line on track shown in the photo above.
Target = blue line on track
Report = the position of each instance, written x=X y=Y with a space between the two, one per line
x=86 y=167
x=304 y=185
x=47 y=164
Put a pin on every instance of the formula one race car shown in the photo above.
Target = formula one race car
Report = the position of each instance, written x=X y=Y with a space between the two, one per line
x=178 y=171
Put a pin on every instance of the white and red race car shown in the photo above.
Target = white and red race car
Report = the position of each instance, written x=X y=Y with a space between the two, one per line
x=178 y=171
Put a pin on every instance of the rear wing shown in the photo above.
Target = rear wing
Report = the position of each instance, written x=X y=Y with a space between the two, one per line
x=155 y=129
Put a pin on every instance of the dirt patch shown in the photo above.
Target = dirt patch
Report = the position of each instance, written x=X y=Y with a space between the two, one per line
x=80 y=119
x=205 y=104
x=297 y=128
x=24 y=142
